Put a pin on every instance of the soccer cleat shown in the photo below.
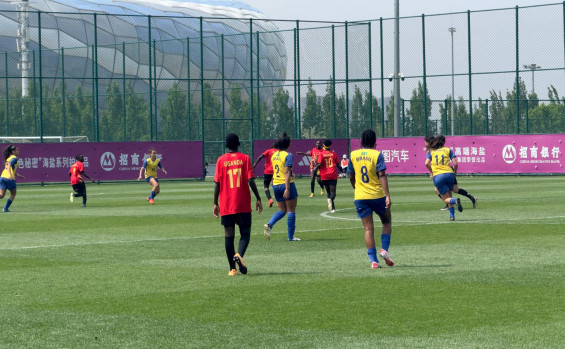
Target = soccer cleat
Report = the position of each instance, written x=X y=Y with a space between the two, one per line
x=232 y=272
x=445 y=208
x=294 y=238
x=329 y=204
x=240 y=263
x=459 y=207
x=271 y=202
x=83 y=205
x=72 y=198
x=321 y=191
x=5 y=210
x=474 y=200
x=311 y=195
x=152 y=202
x=452 y=218
x=375 y=265
x=267 y=231
x=332 y=211
x=386 y=257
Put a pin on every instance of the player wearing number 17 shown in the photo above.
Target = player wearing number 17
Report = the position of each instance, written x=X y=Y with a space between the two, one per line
x=233 y=175
x=367 y=174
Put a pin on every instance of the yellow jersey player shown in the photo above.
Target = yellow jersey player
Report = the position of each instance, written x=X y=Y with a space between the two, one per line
x=9 y=174
x=438 y=163
x=367 y=174
x=284 y=188
x=150 y=166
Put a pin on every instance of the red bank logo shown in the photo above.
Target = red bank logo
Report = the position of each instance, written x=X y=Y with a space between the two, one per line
x=509 y=153
x=107 y=161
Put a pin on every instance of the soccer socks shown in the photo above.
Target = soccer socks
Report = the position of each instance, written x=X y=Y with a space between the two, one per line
x=372 y=253
x=244 y=240
x=312 y=183
x=268 y=194
x=152 y=196
x=451 y=212
x=452 y=201
x=466 y=194
x=276 y=217
x=291 y=223
x=230 y=251
x=385 y=241
x=8 y=203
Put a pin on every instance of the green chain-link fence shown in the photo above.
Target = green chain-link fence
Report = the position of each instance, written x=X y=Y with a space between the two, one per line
x=130 y=78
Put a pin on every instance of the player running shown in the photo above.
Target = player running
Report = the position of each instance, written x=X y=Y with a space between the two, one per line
x=77 y=182
x=313 y=153
x=268 y=173
x=9 y=174
x=327 y=165
x=150 y=166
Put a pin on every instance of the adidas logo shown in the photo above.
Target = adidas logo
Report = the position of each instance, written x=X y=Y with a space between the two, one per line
x=305 y=161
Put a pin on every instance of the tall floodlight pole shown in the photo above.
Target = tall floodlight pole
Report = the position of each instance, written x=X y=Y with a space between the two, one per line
x=396 y=69
x=533 y=67
x=23 y=44
x=452 y=30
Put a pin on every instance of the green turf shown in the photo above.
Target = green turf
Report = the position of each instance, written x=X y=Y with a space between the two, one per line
x=121 y=273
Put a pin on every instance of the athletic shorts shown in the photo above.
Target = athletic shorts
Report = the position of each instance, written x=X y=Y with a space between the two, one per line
x=444 y=182
x=243 y=220
x=278 y=190
x=80 y=188
x=267 y=179
x=7 y=183
x=330 y=182
x=148 y=179
x=366 y=207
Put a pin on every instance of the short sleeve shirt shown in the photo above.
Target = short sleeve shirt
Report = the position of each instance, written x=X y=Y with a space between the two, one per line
x=328 y=170
x=76 y=169
x=281 y=160
x=233 y=171
x=268 y=164
x=366 y=164
x=440 y=159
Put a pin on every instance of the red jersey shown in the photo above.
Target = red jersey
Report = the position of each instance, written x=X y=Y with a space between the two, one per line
x=314 y=154
x=233 y=170
x=328 y=170
x=75 y=171
x=268 y=164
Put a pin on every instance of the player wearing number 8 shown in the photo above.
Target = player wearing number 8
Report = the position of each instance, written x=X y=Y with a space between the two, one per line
x=367 y=174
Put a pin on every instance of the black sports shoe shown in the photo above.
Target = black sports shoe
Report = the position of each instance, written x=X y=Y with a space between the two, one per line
x=474 y=201
x=240 y=263
x=459 y=207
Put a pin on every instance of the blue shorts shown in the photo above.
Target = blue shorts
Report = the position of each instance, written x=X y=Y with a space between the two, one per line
x=278 y=190
x=7 y=183
x=148 y=179
x=366 y=207
x=444 y=182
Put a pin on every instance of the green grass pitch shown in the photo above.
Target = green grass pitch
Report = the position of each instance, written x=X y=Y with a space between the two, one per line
x=121 y=273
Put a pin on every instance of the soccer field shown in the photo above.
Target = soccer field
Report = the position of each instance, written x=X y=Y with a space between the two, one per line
x=121 y=273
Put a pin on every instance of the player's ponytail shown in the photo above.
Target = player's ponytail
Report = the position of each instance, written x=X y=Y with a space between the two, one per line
x=8 y=151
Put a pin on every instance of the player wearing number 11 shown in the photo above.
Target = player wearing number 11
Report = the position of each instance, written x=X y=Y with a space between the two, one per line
x=367 y=174
x=233 y=177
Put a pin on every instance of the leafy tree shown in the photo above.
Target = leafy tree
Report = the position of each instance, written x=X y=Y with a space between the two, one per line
x=376 y=112
x=553 y=95
x=137 y=116
x=174 y=122
x=327 y=121
x=390 y=117
x=341 y=115
x=310 y=117
x=111 y=127
x=358 y=115
x=281 y=117
x=417 y=118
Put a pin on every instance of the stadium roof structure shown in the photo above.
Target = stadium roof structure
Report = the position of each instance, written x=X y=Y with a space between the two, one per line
x=122 y=34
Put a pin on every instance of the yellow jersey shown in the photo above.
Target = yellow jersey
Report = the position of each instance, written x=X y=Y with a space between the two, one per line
x=440 y=159
x=11 y=162
x=151 y=167
x=366 y=164
x=281 y=160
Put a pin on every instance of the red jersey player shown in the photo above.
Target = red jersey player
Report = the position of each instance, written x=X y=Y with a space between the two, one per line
x=268 y=173
x=77 y=172
x=327 y=165
x=233 y=173
x=313 y=174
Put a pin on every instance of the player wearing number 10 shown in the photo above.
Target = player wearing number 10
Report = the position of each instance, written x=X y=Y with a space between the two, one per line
x=233 y=174
x=367 y=174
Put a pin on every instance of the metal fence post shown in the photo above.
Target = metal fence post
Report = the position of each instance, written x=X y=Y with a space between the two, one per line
x=333 y=83
x=202 y=82
x=470 y=73
x=370 y=81
x=188 y=92
x=346 y=82
x=424 y=75
x=124 y=100
x=34 y=97
x=223 y=88
x=295 y=87
x=517 y=75
x=150 y=78
x=445 y=117
x=96 y=83
x=299 y=111
x=40 y=79
x=258 y=96
x=251 y=114
x=382 y=80
x=403 y=116
x=63 y=92
x=486 y=116
x=8 y=131
x=156 y=114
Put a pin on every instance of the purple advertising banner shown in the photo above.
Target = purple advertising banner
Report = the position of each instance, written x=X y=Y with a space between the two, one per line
x=478 y=154
x=50 y=162
x=301 y=162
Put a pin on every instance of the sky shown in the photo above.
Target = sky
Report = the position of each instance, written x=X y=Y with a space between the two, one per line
x=354 y=10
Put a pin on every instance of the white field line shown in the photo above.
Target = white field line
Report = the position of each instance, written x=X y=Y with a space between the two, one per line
x=323 y=214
